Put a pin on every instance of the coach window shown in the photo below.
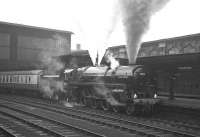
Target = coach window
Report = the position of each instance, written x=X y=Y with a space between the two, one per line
x=26 y=81
x=22 y=79
x=10 y=79
x=7 y=79
x=14 y=80
x=2 y=78
x=29 y=79
x=17 y=79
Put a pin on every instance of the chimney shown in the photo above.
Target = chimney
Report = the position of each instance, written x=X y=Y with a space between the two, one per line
x=78 y=46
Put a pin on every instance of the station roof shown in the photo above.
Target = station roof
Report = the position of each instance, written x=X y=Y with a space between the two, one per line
x=168 y=61
x=32 y=27
x=196 y=35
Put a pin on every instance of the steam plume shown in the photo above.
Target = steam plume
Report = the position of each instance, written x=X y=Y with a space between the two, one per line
x=136 y=16
x=114 y=19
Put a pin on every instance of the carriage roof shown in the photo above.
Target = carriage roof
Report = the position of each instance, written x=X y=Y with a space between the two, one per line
x=22 y=72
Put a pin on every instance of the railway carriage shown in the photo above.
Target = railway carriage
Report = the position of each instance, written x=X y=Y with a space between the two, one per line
x=29 y=82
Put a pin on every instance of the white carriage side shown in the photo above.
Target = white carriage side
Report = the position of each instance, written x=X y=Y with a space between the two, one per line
x=28 y=79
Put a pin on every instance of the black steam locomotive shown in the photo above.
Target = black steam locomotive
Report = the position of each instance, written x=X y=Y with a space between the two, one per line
x=125 y=88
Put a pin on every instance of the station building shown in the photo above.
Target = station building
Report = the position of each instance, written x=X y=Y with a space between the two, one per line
x=28 y=47
x=175 y=61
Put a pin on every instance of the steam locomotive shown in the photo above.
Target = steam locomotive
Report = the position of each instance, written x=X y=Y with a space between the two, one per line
x=125 y=88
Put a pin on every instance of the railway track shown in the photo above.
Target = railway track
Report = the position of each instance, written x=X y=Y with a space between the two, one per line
x=83 y=126
x=5 y=132
x=138 y=127
x=21 y=125
x=184 y=124
x=20 y=128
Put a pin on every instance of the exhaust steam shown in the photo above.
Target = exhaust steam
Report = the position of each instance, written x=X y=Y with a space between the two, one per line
x=113 y=63
x=136 y=15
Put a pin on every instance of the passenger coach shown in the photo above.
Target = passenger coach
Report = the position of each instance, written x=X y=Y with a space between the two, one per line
x=19 y=80
x=33 y=82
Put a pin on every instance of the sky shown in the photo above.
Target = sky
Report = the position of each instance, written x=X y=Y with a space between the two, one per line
x=93 y=20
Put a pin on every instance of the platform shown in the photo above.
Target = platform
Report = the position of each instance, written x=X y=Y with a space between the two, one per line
x=181 y=102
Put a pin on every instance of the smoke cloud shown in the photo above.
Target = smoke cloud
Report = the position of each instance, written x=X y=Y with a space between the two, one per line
x=51 y=63
x=106 y=94
x=136 y=16
x=50 y=86
x=52 y=66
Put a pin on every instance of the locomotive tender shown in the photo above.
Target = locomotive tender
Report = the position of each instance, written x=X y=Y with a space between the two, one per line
x=129 y=88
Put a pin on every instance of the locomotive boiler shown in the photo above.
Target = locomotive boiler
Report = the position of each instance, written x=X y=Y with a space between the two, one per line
x=125 y=88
